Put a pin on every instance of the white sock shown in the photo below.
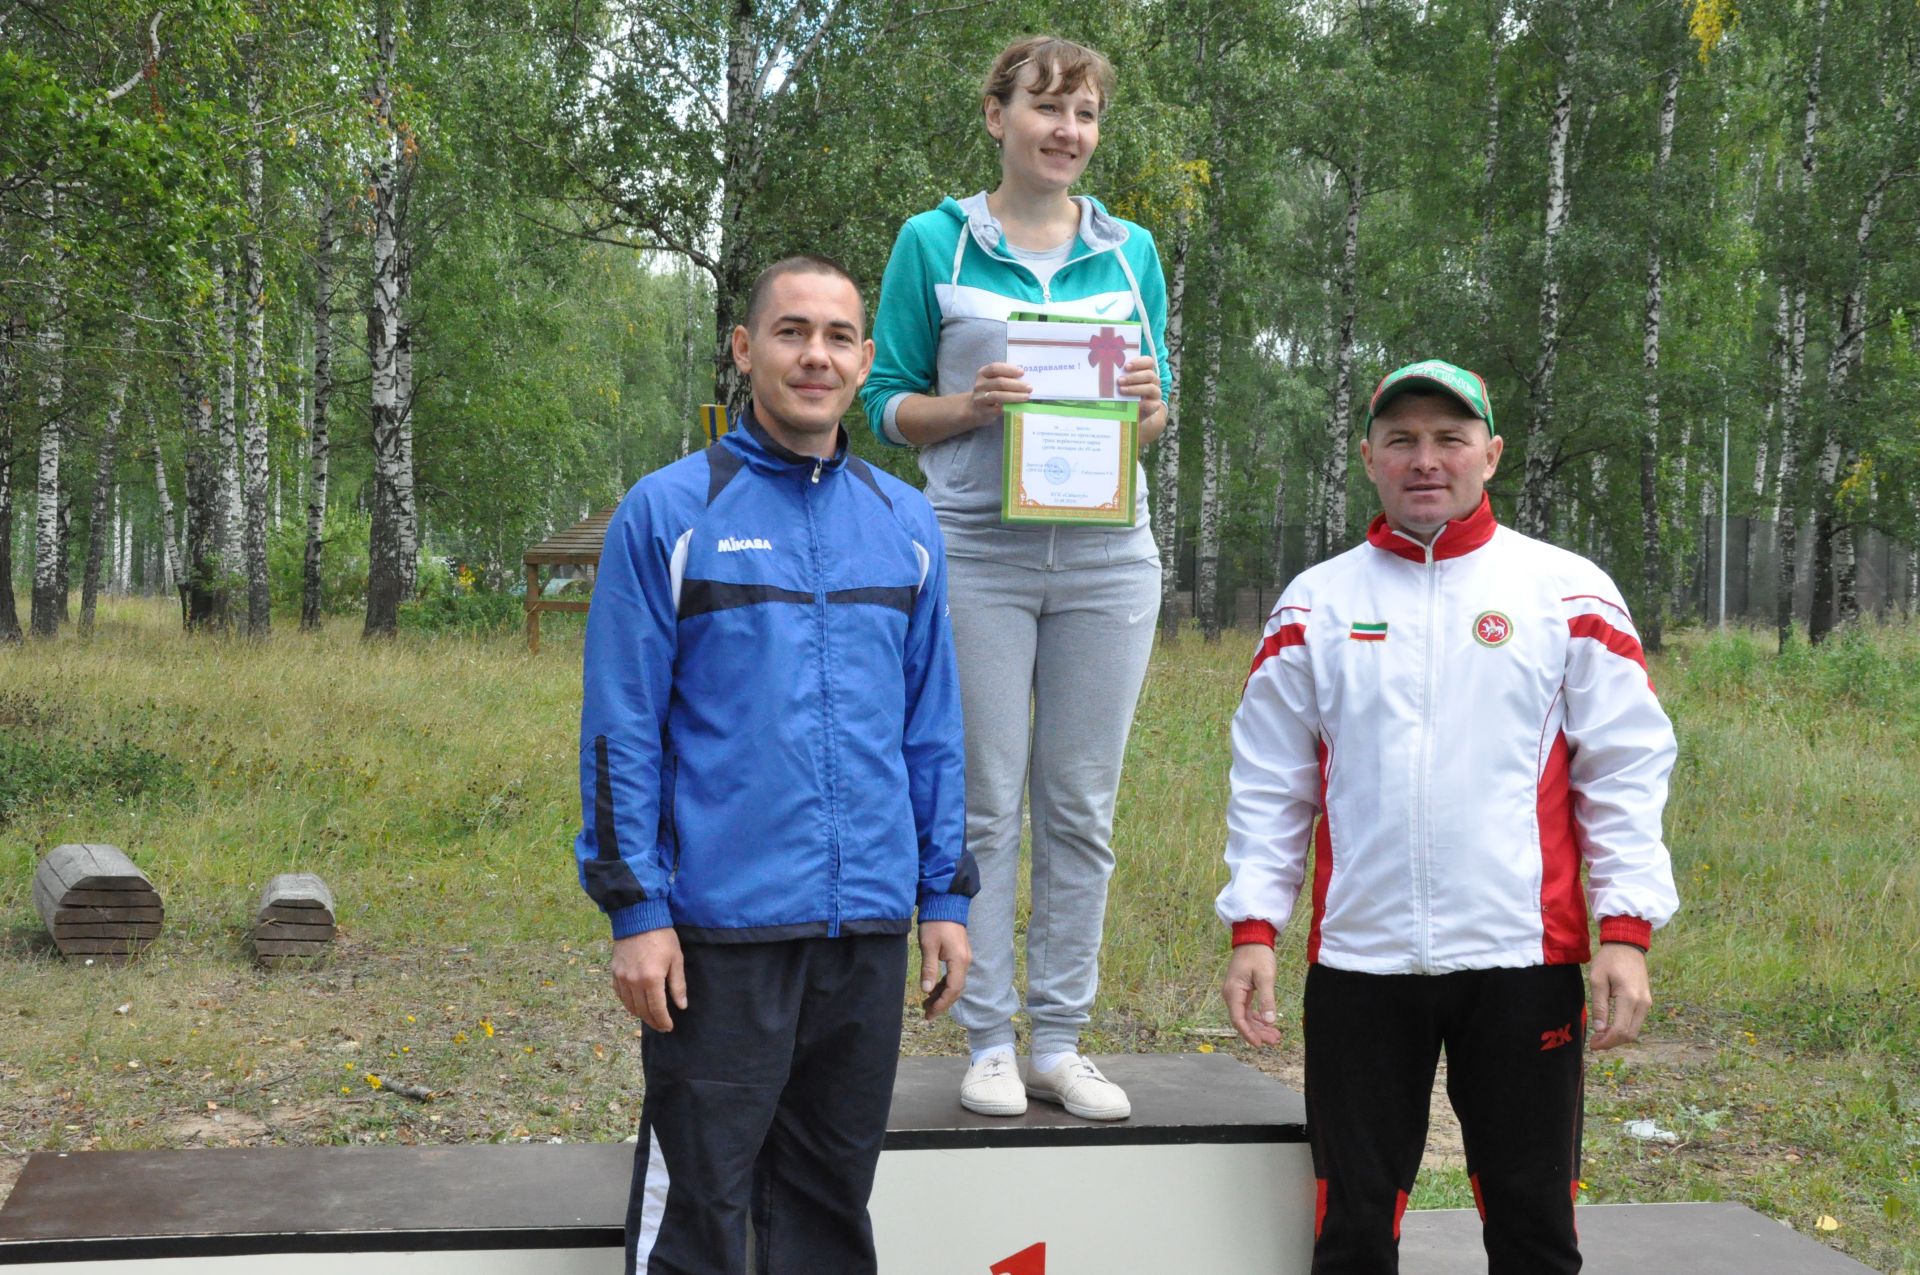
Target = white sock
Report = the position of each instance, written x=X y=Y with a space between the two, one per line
x=1048 y=1062
x=981 y=1055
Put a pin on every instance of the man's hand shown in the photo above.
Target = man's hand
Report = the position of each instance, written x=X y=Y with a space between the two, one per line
x=943 y=942
x=647 y=969
x=1248 y=990
x=1621 y=997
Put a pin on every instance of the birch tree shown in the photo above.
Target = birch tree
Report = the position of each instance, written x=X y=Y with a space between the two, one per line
x=1540 y=384
x=385 y=579
x=317 y=436
x=1652 y=567
x=254 y=439
x=163 y=501
x=1793 y=382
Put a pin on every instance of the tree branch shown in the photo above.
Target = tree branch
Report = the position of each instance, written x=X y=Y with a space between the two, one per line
x=146 y=67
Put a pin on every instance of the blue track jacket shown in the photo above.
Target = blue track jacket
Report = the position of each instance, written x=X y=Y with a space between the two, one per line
x=770 y=741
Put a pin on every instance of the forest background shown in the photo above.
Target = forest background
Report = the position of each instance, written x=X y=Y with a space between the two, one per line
x=338 y=306
x=318 y=313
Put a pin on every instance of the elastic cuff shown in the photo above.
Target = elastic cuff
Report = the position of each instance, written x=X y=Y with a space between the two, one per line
x=990 y=1037
x=1255 y=931
x=1054 y=1040
x=1627 y=929
x=944 y=907
x=651 y=914
x=889 y=430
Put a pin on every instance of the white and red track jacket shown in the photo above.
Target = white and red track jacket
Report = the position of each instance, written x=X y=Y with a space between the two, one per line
x=1475 y=720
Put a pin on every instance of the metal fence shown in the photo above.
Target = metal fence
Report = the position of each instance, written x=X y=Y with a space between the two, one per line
x=1887 y=586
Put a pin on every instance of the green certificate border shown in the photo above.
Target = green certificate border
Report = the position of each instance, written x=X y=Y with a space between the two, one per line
x=1017 y=511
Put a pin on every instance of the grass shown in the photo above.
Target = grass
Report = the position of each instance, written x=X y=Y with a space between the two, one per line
x=432 y=782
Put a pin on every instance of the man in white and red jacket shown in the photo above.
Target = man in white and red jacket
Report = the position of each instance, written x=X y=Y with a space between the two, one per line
x=1450 y=721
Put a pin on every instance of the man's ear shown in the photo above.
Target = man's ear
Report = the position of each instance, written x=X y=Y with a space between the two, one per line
x=742 y=353
x=1495 y=445
x=866 y=363
x=1366 y=458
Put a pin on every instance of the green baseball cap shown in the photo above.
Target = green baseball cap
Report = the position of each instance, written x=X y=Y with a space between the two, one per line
x=1437 y=374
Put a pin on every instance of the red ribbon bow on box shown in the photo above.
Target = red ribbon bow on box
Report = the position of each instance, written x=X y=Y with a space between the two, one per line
x=1108 y=352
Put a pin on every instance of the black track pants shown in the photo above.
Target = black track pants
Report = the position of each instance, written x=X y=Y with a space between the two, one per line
x=1514 y=1040
x=770 y=1094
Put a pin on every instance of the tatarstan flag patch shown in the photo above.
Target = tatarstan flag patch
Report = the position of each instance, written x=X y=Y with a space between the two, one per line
x=1369 y=632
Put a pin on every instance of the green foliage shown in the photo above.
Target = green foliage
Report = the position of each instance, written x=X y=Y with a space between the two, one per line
x=343 y=561
x=38 y=770
x=451 y=602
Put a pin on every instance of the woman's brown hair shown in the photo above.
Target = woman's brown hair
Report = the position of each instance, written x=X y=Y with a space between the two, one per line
x=1058 y=66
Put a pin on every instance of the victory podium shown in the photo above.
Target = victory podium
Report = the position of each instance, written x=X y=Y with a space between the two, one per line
x=1212 y=1173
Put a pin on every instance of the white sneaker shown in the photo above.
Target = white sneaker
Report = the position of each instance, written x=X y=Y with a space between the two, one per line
x=991 y=1086
x=1080 y=1088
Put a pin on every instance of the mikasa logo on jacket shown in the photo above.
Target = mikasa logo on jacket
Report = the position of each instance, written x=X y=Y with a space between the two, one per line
x=734 y=544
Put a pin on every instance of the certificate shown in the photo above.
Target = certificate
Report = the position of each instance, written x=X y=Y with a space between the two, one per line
x=1071 y=463
x=1073 y=359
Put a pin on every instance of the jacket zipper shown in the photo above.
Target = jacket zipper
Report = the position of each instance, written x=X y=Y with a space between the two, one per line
x=1423 y=848
x=828 y=752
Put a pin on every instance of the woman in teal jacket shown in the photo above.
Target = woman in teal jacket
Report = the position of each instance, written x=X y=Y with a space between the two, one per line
x=1053 y=625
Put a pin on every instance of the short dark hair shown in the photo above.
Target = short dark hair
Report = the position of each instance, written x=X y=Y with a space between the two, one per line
x=1432 y=394
x=799 y=263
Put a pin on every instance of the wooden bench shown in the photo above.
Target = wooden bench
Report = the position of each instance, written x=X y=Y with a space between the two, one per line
x=97 y=904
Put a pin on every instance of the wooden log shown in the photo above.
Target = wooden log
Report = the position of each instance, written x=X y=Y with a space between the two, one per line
x=295 y=890
x=274 y=930
x=297 y=915
x=95 y=902
x=105 y=916
x=92 y=867
x=101 y=898
x=51 y=904
x=126 y=930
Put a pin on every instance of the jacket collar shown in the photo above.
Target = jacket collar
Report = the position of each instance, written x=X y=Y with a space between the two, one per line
x=758 y=448
x=1099 y=229
x=1461 y=536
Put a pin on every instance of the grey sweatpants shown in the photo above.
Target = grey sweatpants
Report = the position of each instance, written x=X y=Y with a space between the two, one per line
x=1051 y=663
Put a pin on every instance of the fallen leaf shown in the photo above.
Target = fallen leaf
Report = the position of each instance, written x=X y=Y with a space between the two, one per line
x=1828 y=1222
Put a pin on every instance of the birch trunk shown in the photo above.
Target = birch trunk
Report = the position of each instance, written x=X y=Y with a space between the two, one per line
x=48 y=541
x=15 y=335
x=259 y=596
x=1166 y=461
x=384 y=577
x=406 y=511
x=1206 y=593
x=227 y=472
x=203 y=600
x=738 y=177
x=1331 y=517
x=1796 y=357
x=100 y=521
x=169 y=547
x=1653 y=573
x=1483 y=259
x=1835 y=525
x=1539 y=468
x=310 y=594
x=64 y=559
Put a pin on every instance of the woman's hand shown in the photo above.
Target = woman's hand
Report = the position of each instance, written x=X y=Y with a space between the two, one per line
x=995 y=386
x=1141 y=379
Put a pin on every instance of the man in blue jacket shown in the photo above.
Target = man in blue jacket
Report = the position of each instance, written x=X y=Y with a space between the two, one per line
x=771 y=775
